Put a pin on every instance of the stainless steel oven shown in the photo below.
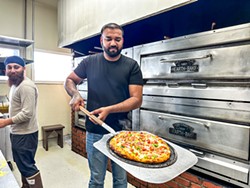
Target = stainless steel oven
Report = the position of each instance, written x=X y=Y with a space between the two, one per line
x=197 y=94
x=80 y=117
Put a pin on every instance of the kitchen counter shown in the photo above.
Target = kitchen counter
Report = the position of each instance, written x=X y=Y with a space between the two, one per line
x=7 y=179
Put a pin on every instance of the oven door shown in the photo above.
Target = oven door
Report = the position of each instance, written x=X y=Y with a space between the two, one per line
x=222 y=148
x=216 y=63
x=224 y=138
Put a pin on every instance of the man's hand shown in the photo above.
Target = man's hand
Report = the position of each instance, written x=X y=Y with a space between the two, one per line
x=76 y=101
x=101 y=113
x=5 y=122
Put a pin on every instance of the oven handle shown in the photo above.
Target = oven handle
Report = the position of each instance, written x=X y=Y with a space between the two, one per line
x=182 y=119
x=197 y=153
x=185 y=59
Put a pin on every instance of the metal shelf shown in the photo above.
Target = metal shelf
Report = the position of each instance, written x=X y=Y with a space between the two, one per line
x=24 y=45
x=15 y=41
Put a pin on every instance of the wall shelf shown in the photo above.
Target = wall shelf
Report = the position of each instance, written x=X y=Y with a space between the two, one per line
x=24 y=46
x=15 y=41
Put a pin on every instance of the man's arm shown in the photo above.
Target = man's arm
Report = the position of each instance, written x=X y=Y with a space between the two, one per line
x=70 y=86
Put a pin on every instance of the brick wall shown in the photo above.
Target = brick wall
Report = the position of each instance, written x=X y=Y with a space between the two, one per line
x=78 y=136
x=186 y=179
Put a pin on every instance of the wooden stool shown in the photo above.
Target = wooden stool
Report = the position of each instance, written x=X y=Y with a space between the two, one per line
x=47 y=130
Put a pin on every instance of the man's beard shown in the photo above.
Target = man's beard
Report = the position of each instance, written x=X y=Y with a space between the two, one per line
x=15 y=78
x=112 y=53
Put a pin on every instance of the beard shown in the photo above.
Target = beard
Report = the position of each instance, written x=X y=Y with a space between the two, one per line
x=112 y=53
x=15 y=78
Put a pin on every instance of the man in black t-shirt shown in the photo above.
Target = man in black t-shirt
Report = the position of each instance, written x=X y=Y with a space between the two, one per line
x=114 y=88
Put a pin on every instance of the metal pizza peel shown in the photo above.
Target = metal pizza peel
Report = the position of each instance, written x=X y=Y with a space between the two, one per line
x=185 y=159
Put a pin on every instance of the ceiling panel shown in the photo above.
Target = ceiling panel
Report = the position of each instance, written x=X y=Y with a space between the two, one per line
x=192 y=18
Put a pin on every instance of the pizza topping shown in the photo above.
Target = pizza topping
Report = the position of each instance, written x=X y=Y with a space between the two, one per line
x=140 y=146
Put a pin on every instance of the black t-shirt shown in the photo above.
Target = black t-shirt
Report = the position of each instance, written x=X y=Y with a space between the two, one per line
x=108 y=83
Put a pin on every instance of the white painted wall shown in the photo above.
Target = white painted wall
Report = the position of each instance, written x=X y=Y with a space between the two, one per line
x=12 y=18
x=53 y=101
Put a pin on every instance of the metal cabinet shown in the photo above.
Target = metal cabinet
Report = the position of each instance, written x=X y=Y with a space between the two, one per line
x=5 y=144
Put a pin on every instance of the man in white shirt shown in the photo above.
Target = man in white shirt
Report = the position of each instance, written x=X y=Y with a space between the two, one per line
x=23 y=120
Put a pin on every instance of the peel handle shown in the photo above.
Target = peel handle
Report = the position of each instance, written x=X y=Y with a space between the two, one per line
x=97 y=120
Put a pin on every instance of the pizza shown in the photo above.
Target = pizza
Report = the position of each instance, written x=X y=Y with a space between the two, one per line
x=140 y=146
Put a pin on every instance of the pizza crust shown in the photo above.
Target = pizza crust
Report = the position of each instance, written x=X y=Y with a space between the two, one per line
x=140 y=146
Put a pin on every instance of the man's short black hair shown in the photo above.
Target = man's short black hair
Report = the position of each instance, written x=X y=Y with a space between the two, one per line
x=112 y=26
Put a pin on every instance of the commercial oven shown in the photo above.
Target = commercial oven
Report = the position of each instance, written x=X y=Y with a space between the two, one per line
x=197 y=94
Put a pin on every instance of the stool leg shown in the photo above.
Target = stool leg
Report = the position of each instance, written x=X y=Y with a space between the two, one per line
x=44 y=139
x=46 y=142
x=60 y=138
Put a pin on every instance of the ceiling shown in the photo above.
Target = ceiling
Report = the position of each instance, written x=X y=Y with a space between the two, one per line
x=192 y=18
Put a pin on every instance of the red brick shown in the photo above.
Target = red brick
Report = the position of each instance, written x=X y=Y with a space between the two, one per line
x=210 y=185
x=82 y=145
x=130 y=178
x=191 y=177
x=193 y=185
x=153 y=185
x=135 y=183
x=172 y=184
x=182 y=181
x=163 y=185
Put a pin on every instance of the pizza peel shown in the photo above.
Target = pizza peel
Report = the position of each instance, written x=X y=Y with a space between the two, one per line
x=185 y=159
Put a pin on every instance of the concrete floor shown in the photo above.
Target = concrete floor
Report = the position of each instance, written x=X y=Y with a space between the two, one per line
x=62 y=168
